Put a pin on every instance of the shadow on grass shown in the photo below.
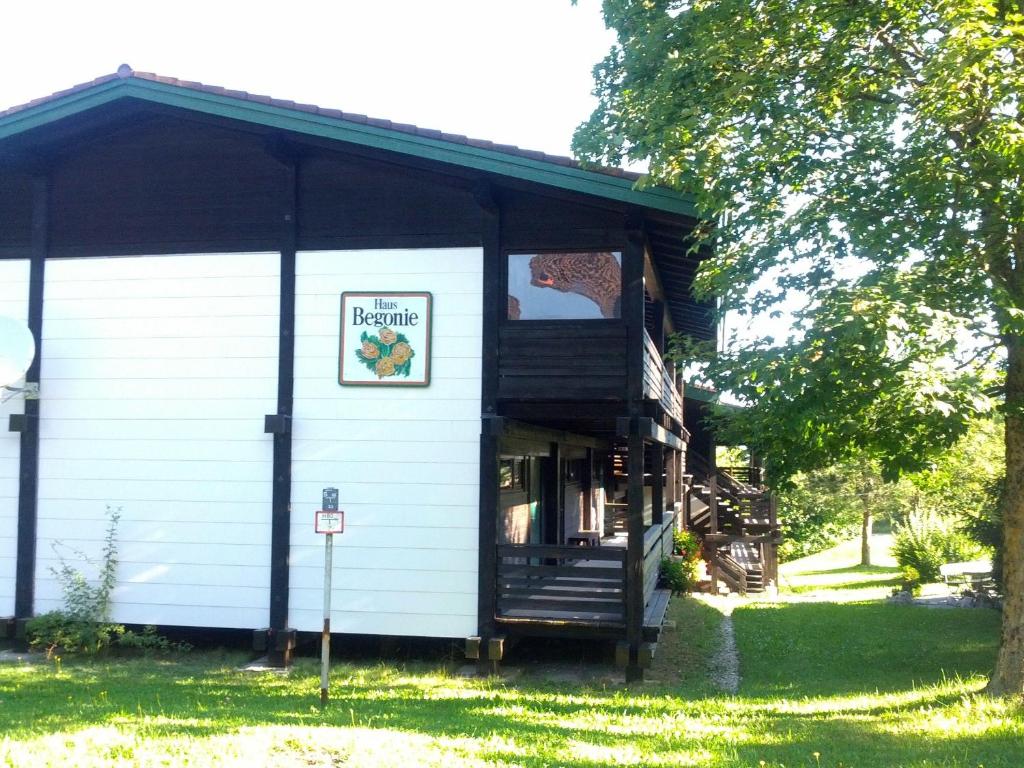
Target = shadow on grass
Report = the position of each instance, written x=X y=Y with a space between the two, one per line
x=889 y=580
x=850 y=569
x=523 y=725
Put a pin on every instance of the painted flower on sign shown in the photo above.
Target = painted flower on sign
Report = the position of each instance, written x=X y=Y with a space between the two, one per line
x=387 y=354
x=401 y=352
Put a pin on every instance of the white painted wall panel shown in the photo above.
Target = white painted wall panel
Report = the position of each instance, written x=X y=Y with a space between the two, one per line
x=405 y=460
x=157 y=372
x=13 y=303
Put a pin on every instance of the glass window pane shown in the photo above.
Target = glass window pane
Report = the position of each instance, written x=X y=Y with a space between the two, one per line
x=564 y=286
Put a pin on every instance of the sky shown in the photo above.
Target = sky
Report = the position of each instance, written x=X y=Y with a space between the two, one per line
x=510 y=71
x=516 y=72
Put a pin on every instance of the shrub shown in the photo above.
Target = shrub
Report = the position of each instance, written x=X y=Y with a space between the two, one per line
x=686 y=544
x=83 y=624
x=924 y=542
x=678 y=575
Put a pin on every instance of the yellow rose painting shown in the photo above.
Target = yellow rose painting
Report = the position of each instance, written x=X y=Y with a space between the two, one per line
x=387 y=353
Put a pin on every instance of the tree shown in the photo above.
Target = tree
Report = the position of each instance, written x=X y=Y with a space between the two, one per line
x=868 y=155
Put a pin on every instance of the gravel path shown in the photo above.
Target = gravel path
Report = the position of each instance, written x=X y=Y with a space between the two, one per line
x=724 y=664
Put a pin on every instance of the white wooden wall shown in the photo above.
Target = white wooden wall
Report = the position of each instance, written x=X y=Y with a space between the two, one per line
x=157 y=373
x=405 y=460
x=13 y=303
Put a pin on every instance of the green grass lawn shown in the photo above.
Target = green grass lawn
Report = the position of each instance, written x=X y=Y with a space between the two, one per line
x=853 y=684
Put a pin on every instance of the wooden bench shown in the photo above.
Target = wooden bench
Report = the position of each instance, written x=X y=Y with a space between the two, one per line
x=654 y=614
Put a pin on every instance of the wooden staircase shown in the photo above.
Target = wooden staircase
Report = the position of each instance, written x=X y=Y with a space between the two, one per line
x=735 y=518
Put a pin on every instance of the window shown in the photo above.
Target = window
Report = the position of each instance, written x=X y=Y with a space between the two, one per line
x=512 y=474
x=564 y=286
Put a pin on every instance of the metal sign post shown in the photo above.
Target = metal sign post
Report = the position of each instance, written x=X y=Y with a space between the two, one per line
x=329 y=521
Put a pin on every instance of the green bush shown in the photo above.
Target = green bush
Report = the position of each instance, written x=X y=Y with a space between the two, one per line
x=686 y=544
x=924 y=542
x=68 y=633
x=83 y=624
x=677 y=574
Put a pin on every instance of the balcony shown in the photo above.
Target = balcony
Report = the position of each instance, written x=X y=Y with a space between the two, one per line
x=659 y=381
x=561 y=361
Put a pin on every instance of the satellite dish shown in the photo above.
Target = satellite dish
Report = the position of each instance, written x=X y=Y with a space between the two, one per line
x=17 y=350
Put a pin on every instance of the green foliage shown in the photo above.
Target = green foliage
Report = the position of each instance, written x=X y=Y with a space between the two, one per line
x=61 y=631
x=911 y=580
x=862 y=154
x=686 y=544
x=83 y=624
x=149 y=640
x=677 y=574
x=924 y=542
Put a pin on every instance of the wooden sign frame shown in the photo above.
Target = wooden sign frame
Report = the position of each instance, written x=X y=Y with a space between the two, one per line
x=368 y=351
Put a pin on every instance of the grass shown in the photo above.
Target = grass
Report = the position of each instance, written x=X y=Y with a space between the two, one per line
x=858 y=683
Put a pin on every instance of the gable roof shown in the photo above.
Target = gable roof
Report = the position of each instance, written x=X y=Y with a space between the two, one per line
x=504 y=160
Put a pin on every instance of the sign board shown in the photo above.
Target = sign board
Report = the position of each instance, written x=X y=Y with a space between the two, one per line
x=385 y=339
x=329 y=521
x=330 y=500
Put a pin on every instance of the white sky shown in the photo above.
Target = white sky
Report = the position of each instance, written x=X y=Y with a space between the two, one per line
x=515 y=72
x=512 y=72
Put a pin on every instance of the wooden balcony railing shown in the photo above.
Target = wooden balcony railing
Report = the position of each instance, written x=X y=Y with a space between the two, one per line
x=574 y=584
x=659 y=383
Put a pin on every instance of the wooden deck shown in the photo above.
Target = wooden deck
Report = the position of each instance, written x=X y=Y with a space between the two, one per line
x=582 y=586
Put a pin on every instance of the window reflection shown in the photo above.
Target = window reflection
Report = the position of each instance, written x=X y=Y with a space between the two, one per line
x=564 y=286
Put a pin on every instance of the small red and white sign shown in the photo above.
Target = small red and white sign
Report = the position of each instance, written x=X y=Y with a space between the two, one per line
x=330 y=522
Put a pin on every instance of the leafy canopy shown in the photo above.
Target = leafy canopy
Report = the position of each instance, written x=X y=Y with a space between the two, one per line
x=869 y=157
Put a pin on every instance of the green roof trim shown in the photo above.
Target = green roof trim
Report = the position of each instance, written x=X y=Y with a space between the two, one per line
x=322 y=126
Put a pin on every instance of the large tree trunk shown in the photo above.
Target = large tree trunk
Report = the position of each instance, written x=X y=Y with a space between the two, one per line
x=1008 y=677
x=865 y=535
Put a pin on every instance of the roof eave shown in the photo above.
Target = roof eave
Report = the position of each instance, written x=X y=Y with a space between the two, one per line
x=281 y=118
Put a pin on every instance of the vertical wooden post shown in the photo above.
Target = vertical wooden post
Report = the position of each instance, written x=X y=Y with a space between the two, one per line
x=657 y=484
x=635 y=553
x=633 y=314
x=713 y=528
x=494 y=312
x=713 y=502
x=487 y=583
x=587 y=490
x=280 y=645
x=28 y=477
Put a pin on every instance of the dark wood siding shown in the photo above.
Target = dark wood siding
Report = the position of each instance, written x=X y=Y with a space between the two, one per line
x=15 y=214
x=168 y=185
x=532 y=221
x=561 y=360
x=348 y=197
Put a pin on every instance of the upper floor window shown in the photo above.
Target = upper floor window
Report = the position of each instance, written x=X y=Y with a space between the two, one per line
x=564 y=286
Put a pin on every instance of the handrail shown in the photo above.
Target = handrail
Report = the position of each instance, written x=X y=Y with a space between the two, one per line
x=615 y=554
x=727 y=563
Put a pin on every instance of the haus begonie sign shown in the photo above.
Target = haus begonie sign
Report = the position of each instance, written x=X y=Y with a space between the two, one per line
x=385 y=339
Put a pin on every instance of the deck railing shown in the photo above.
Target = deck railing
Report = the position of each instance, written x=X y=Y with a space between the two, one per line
x=541 y=582
x=659 y=384
x=657 y=545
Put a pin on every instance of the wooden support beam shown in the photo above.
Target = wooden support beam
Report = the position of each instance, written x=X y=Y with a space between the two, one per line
x=633 y=259
x=487 y=539
x=28 y=476
x=519 y=430
x=280 y=654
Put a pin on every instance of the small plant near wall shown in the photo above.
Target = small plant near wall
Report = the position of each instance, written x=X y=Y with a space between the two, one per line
x=83 y=625
x=679 y=572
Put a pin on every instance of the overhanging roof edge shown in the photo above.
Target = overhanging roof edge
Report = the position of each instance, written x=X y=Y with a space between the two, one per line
x=339 y=129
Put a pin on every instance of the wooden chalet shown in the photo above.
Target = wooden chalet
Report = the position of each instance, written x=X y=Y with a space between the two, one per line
x=179 y=250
